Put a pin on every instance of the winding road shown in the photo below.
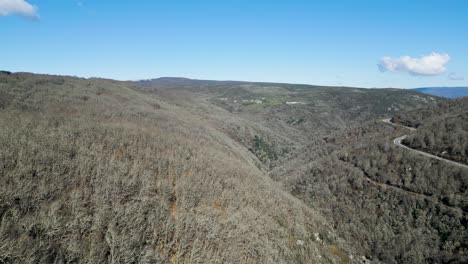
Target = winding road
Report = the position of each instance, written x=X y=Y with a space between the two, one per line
x=397 y=141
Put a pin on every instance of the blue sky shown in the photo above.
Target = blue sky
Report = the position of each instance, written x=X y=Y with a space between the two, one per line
x=315 y=42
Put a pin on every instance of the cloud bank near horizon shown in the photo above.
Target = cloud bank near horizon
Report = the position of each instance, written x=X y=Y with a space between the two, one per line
x=428 y=65
x=18 y=7
x=455 y=77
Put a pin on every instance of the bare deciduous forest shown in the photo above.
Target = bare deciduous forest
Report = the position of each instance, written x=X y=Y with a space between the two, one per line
x=186 y=171
x=443 y=129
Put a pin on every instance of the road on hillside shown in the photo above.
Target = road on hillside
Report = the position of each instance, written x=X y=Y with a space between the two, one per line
x=397 y=141
x=387 y=120
x=415 y=194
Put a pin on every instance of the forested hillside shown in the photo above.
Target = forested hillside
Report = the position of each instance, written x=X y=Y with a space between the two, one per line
x=276 y=120
x=93 y=171
x=176 y=170
x=442 y=129
x=402 y=207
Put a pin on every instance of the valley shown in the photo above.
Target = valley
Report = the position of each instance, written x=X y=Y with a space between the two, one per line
x=176 y=170
x=237 y=132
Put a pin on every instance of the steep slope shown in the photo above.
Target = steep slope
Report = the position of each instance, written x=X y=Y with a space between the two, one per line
x=189 y=171
x=404 y=207
x=401 y=207
x=93 y=171
x=442 y=129
x=331 y=150
x=276 y=120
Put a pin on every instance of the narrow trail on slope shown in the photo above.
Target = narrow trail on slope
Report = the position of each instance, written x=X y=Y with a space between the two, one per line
x=430 y=198
x=420 y=195
x=397 y=141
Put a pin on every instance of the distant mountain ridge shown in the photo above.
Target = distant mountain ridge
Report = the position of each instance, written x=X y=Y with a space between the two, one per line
x=448 y=92
x=181 y=81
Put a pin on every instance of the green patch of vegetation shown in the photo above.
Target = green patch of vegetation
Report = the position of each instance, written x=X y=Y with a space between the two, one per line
x=274 y=101
x=263 y=150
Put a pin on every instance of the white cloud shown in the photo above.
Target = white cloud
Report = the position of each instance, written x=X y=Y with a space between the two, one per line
x=455 y=77
x=17 y=7
x=432 y=64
